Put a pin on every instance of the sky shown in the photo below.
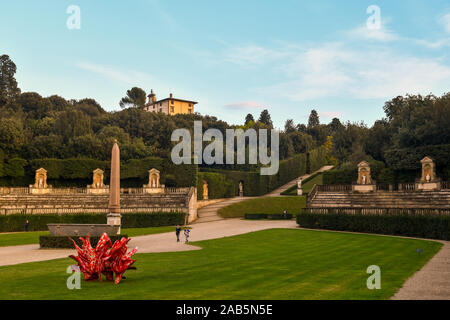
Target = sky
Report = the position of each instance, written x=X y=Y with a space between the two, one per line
x=234 y=57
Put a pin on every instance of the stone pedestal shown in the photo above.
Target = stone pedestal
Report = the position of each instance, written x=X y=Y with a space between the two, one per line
x=153 y=186
x=428 y=180
x=40 y=183
x=364 y=188
x=114 y=220
x=97 y=186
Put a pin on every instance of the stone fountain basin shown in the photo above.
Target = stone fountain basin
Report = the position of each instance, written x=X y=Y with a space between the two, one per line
x=63 y=229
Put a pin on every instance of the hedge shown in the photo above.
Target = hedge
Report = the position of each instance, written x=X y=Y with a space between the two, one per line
x=78 y=171
x=378 y=172
x=219 y=186
x=272 y=216
x=430 y=226
x=38 y=222
x=63 y=242
x=289 y=169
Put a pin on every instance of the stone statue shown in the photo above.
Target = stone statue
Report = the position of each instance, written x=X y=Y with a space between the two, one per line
x=241 y=189
x=205 y=190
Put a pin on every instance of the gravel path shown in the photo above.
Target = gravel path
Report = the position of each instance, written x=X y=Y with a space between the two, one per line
x=432 y=282
x=162 y=242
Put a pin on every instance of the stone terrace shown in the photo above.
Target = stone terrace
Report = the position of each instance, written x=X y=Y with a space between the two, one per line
x=90 y=203
x=381 y=199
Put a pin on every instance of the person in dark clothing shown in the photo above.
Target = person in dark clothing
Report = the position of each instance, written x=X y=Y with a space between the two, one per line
x=27 y=223
x=177 y=232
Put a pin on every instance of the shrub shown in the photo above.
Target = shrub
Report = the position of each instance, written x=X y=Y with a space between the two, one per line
x=260 y=216
x=38 y=222
x=398 y=222
x=219 y=186
x=64 y=242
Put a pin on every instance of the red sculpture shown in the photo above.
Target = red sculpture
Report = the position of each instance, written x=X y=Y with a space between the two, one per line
x=106 y=258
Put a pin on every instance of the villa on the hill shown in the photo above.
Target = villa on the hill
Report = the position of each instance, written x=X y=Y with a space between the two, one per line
x=170 y=106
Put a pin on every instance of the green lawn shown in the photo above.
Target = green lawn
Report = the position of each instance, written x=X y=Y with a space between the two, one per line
x=306 y=186
x=263 y=205
x=20 y=238
x=270 y=264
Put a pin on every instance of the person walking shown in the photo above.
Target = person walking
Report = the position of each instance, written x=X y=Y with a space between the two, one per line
x=186 y=234
x=27 y=223
x=177 y=232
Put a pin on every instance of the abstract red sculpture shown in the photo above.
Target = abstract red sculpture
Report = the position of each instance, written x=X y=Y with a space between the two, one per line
x=109 y=259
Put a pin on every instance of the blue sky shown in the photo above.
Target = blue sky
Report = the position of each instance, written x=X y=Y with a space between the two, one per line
x=234 y=57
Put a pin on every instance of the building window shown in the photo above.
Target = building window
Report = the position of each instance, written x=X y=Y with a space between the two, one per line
x=160 y=109
x=190 y=111
x=172 y=109
x=171 y=101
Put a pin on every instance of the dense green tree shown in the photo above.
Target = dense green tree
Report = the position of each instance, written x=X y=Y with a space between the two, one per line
x=248 y=118
x=8 y=84
x=11 y=136
x=313 y=119
x=265 y=119
x=135 y=97
x=289 y=126
x=72 y=123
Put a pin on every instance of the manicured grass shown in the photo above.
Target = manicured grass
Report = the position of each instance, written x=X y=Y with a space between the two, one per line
x=263 y=205
x=306 y=186
x=270 y=264
x=21 y=238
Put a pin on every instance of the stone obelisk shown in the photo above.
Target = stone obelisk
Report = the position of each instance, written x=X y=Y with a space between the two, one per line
x=114 y=217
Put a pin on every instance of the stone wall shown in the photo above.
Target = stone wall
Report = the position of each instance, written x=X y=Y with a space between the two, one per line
x=67 y=203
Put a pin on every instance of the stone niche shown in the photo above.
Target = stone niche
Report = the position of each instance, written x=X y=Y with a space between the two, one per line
x=40 y=183
x=97 y=186
x=428 y=180
x=205 y=190
x=364 y=182
x=153 y=185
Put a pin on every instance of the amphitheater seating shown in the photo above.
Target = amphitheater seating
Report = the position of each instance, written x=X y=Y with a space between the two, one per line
x=88 y=203
x=381 y=199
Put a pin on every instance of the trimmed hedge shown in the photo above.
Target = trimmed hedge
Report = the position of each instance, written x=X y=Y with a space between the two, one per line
x=219 y=186
x=289 y=169
x=260 y=216
x=78 y=171
x=430 y=226
x=38 y=222
x=63 y=242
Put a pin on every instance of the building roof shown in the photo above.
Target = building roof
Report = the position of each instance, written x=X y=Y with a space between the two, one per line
x=189 y=101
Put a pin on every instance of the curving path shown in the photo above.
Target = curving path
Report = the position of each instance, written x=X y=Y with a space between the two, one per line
x=210 y=213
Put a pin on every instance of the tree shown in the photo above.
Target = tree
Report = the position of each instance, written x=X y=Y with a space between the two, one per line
x=8 y=84
x=313 y=119
x=289 y=126
x=335 y=124
x=265 y=119
x=135 y=97
x=248 y=118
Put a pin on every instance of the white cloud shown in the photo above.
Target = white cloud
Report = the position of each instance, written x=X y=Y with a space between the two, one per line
x=244 y=105
x=445 y=21
x=339 y=70
x=251 y=55
x=113 y=73
x=330 y=114
x=383 y=34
